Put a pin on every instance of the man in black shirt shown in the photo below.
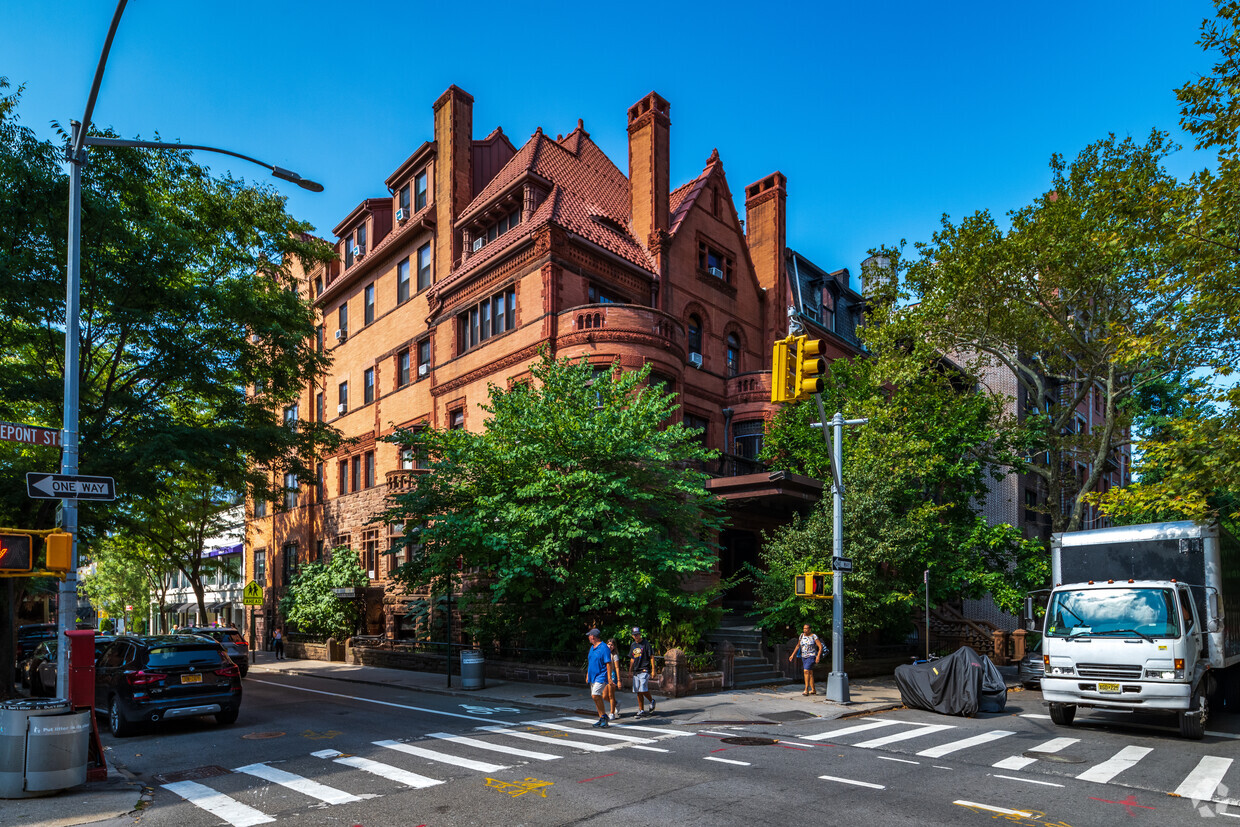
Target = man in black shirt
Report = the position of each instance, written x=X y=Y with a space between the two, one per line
x=640 y=661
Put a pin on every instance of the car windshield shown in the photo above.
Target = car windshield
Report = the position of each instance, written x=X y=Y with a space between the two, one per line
x=163 y=657
x=1119 y=612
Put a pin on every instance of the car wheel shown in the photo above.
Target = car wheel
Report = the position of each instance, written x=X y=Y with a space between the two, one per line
x=120 y=726
x=227 y=717
x=245 y=670
x=1062 y=714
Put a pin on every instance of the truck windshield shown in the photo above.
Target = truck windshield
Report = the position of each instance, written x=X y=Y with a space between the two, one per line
x=1140 y=612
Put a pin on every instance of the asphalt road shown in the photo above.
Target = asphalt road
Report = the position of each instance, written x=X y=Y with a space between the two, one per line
x=308 y=751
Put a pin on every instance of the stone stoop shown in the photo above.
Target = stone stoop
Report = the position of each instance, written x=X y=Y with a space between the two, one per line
x=751 y=667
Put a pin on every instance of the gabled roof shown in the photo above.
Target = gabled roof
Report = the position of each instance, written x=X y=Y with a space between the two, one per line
x=684 y=197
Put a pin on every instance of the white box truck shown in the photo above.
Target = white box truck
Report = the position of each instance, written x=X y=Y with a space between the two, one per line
x=1143 y=618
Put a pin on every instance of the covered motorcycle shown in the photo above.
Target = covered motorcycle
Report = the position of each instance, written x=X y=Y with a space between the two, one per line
x=963 y=683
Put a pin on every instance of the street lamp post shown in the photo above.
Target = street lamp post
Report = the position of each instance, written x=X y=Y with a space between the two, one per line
x=75 y=154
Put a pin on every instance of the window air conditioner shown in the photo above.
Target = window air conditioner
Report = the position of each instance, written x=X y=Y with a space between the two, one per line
x=342 y=408
x=371 y=574
x=357 y=252
x=714 y=271
x=695 y=359
x=342 y=334
x=478 y=242
x=402 y=214
x=423 y=370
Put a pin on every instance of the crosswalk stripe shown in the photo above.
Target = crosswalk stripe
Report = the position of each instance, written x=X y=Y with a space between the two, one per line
x=637 y=727
x=922 y=729
x=597 y=733
x=1113 y=766
x=543 y=739
x=442 y=757
x=409 y=779
x=313 y=789
x=218 y=804
x=965 y=743
x=851 y=781
x=1019 y=762
x=822 y=736
x=1204 y=779
x=487 y=745
x=726 y=761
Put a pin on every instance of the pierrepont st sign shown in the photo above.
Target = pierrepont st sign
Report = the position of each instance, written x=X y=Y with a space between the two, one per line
x=66 y=487
x=29 y=434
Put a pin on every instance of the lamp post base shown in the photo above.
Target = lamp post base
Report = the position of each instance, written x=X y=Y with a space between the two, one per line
x=837 y=687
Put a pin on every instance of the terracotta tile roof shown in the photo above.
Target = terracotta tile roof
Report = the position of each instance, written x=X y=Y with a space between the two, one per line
x=684 y=196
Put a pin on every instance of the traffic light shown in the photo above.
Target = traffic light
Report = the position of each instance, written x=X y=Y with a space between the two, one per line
x=810 y=367
x=812 y=584
x=59 y=548
x=784 y=370
x=15 y=552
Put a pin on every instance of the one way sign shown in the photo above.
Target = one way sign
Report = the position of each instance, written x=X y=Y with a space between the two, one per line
x=65 y=487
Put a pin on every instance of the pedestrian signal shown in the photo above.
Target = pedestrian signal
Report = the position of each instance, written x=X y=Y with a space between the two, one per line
x=15 y=552
x=812 y=584
x=59 y=548
x=810 y=367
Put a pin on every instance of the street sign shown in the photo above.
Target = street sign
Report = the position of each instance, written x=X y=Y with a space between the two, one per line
x=345 y=591
x=29 y=434
x=841 y=564
x=253 y=595
x=66 y=487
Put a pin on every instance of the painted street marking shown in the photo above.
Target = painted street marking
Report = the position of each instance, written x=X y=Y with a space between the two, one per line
x=474 y=742
x=937 y=767
x=409 y=779
x=716 y=734
x=543 y=739
x=1019 y=762
x=1204 y=779
x=1037 y=715
x=599 y=733
x=368 y=700
x=442 y=757
x=727 y=761
x=312 y=789
x=649 y=749
x=597 y=777
x=218 y=804
x=488 y=710
x=855 y=783
x=1114 y=765
x=516 y=788
x=901 y=760
x=798 y=743
x=637 y=727
x=1221 y=735
x=992 y=809
x=321 y=736
x=1129 y=804
x=1029 y=781
x=965 y=743
x=922 y=729
x=822 y=736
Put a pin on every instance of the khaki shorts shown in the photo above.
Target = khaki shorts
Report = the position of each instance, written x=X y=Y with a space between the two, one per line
x=597 y=688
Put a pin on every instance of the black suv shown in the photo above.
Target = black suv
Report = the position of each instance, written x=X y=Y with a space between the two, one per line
x=153 y=678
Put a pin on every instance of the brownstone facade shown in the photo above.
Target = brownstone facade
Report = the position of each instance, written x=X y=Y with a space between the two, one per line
x=484 y=252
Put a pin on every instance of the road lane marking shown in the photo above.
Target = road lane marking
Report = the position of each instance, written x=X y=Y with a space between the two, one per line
x=1204 y=779
x=218 y=804
x=1029 y=780
x=543 y=739
x=312 y=789
x=922 y=729
x=409 y=779
x=637 y=727
x=371 y=700
x=1040 y=716
x=597 y=733
x=474 y=742
x=726 y=761
x=965 y=743
x=1019 y=762
x=901 y=760
x=442 y=757
x=854 y=783
x=648 y=749
x=822 y=736
x=1113 y=766
x=991 y=808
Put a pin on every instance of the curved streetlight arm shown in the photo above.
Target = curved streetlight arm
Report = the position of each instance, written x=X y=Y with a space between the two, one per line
x=80 y=132
x=279 y=172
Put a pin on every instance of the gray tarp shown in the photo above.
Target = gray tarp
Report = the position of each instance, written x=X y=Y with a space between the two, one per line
x=963 y=683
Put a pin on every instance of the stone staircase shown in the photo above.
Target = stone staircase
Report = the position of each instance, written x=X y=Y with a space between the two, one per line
x=751 y=667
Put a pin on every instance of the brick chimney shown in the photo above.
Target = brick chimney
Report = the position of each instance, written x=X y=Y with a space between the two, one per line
x=766 y=236
x=649 y=174
x=453 y=186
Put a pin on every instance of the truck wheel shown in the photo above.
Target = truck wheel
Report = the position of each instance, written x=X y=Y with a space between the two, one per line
x=1193 y=719
x=1062 y=714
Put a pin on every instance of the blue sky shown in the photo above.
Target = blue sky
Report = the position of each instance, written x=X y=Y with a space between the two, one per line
x=882 y=115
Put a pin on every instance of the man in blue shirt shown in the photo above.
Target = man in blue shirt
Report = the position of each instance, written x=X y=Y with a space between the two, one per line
x=598 y=673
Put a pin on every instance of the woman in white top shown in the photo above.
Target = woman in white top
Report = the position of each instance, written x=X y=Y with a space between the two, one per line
x=810 y=649
x=609 y=691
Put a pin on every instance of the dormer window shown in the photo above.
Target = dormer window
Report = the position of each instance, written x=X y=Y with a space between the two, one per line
x=497 y=229
x=402 y=201
x=714 y=262
x=419 y=190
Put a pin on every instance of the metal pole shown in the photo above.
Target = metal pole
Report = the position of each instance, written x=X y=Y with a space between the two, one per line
x=837 y=681
x=449 y=631
x=926 y=578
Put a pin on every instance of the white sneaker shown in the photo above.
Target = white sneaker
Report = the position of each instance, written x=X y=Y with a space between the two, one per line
x=612 y=716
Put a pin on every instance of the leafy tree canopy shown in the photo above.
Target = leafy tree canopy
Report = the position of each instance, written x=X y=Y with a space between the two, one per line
x=313 y=608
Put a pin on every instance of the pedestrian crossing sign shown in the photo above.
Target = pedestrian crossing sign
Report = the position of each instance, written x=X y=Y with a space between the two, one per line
x=253 y=595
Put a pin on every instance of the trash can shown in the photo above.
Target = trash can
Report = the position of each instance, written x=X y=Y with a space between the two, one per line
x=473 y=669
x=44 y=746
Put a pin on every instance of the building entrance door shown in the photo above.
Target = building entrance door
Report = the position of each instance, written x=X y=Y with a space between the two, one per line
x=738 y=549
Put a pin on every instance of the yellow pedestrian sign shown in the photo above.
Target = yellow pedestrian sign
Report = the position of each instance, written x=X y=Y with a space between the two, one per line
x=253 y=594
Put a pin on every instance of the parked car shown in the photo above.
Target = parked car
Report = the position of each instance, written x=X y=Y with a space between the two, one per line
x=141 y=678
x=232 y=641
x=28 y=639
x=43 y=671
x=1029 y=670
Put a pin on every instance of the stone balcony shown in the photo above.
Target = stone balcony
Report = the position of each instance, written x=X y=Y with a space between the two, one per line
x=627 y=323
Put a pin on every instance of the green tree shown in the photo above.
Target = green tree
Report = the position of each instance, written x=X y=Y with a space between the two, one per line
x=915 y=477
x=313 y=608
x=115 y=583
x=580 y=504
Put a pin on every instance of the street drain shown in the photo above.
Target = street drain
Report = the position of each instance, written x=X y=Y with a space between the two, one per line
x=748 y=741
x=1054 y=757
x=209 y=771
x=552 y=695
x=261 y=736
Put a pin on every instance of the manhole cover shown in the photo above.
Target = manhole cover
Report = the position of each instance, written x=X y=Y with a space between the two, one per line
x=210 y=771
x=747 y=741
x=552 y=695
x=261 y=736
x=1053 y=756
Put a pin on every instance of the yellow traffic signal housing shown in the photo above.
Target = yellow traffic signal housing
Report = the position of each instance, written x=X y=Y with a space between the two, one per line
x=59 y=548
x=15 y=552
x=810 y=367
x=784 y=370
x=812 y=584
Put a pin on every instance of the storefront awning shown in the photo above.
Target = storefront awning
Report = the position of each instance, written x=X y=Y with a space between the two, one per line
x=186 y=607
x=218 y=607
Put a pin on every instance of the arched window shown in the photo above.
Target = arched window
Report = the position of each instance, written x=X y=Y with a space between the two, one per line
x=734 y=355
x=695 y=334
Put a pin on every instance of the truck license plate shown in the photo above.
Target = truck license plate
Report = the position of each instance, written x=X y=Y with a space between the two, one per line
x=198 y=679
x=1108 y=687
